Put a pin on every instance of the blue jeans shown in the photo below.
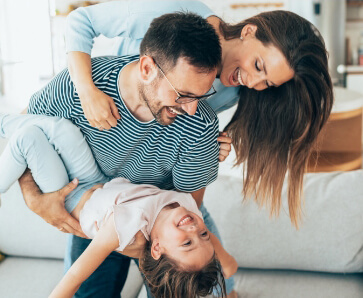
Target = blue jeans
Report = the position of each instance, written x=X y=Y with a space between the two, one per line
x=108 y=279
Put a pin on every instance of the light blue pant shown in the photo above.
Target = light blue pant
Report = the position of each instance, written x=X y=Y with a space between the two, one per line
x=55 y=151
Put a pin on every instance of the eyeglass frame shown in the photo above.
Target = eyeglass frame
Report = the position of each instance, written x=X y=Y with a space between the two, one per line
x=192 y=99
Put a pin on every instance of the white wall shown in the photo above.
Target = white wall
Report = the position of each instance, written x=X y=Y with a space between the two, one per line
x=25 y=47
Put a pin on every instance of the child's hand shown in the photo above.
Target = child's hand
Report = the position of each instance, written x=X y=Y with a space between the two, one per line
x=229 y=266
x=135 y=250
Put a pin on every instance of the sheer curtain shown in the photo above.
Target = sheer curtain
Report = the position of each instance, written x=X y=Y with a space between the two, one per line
x=25 y=49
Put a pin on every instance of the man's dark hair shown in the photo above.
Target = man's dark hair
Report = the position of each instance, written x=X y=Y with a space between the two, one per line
x=182 y=34
x=167 y=279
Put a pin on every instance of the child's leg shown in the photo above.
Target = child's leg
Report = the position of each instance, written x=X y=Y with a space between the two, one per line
x=29 y=147
x=67 y=140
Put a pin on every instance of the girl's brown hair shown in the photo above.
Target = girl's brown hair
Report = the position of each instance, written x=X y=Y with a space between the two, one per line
x=274 y=130
x=167 y=279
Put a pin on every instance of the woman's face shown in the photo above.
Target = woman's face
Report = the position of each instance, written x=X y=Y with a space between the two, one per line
x=249 y=63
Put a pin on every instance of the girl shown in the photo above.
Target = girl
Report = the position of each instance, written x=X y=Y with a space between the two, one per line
x=179 y=257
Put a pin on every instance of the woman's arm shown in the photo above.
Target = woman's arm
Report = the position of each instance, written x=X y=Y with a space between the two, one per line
x=105 y=241
x=127 y=20
x=99 y=108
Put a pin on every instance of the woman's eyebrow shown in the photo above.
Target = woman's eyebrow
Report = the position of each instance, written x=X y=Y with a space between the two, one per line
x=186 y=93
x=265 y=70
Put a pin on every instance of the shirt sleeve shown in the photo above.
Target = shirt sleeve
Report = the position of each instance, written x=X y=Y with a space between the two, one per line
x=128 y=221
x=127 y=20
x=197 y=166
x=57 y=98
x=225 y=98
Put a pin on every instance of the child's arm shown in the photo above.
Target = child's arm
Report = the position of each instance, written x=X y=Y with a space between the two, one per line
x=229 y=264
x=105 y=241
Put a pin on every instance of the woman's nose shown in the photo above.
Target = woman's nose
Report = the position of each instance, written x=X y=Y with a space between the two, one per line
x=255 y=82
x=190 y=107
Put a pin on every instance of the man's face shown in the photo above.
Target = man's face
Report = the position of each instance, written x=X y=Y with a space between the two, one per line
x=187 y=80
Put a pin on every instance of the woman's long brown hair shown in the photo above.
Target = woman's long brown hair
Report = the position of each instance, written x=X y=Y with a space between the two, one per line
x=274 y=131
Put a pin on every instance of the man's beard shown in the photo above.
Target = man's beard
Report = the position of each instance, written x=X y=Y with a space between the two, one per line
x=154 y=105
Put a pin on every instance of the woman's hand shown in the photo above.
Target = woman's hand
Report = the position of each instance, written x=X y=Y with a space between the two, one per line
x=99 y=109
x=225 y=146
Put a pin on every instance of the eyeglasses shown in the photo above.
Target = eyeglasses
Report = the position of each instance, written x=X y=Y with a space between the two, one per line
x=183 y=98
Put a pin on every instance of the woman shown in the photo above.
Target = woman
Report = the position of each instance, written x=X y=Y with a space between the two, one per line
x=275 y=65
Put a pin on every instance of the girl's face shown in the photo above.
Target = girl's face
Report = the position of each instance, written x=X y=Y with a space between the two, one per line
x=183 y=236
x=249 y=63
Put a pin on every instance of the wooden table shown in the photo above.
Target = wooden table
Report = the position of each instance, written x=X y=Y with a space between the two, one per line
x=340 y=141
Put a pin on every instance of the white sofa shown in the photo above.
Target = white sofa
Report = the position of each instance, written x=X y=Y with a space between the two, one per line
x=322 y=259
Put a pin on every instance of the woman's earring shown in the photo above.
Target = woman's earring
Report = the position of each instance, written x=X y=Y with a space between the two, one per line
x=241 y=38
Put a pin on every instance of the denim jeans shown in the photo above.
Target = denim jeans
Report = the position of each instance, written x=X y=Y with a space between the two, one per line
x=108 y=280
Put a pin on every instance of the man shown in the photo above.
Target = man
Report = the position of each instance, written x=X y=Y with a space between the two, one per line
x=164 y=137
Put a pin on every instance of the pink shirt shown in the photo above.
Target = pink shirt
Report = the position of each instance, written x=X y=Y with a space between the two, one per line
x=135 y=208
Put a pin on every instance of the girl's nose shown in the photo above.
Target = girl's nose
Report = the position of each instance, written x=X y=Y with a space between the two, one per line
x=192 y=227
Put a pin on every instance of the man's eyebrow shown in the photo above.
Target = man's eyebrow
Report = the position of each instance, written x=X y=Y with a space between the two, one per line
x=265 y=70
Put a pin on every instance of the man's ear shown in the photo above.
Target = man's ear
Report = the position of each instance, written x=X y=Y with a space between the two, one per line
x=248 y=30
x=156 y=249
x=148 y=69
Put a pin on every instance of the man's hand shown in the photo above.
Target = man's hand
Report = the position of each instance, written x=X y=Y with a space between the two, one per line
x=135 y=250
x=225 y=146
x=50 y=206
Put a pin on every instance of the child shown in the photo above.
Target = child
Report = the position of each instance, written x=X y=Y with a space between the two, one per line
x=179 y=258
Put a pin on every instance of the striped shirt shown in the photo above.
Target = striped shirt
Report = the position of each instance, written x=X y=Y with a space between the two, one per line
x=183 y=155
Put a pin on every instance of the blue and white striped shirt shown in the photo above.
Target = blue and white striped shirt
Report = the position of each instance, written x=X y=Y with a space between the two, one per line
x=183 y=155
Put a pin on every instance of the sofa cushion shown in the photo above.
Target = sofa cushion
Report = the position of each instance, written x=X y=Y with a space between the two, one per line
x=297 y=284
x=26 y=234
x=330 y=237
x=29 y=277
